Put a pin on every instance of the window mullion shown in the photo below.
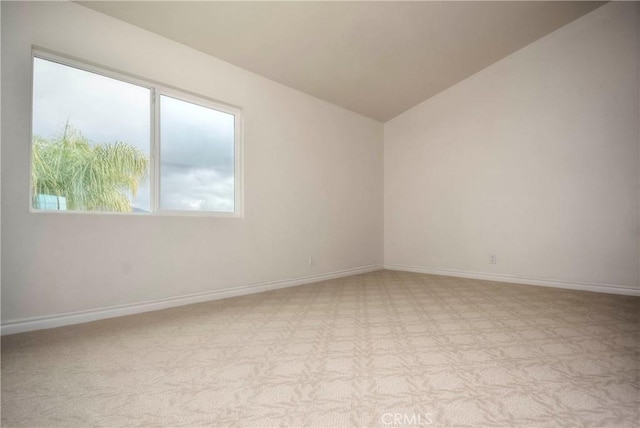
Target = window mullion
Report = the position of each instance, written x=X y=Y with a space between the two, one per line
x=155 y=149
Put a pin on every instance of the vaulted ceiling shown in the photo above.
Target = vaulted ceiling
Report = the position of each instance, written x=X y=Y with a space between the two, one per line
x=374 y=58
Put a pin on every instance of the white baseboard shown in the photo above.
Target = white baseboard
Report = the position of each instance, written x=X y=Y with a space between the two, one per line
x=599 y=288
x=69 y=318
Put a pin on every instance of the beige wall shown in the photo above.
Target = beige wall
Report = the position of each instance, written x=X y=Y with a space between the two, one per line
x=313 y=180
x=534 y=159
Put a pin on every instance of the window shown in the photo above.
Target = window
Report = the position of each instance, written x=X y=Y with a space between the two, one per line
x=196 y=152
x=105 y=142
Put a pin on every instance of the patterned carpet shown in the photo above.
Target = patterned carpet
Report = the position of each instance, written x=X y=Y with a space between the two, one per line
x=379 y=349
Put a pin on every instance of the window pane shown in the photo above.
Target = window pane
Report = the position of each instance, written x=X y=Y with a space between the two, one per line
x=197 y=157
x=91 y=141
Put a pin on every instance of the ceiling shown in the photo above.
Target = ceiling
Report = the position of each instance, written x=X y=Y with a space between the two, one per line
x=374 y=58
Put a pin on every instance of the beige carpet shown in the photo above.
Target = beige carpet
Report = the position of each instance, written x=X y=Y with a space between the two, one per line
x=380 y=349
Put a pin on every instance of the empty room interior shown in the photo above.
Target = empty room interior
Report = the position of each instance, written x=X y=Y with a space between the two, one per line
x=320 y=214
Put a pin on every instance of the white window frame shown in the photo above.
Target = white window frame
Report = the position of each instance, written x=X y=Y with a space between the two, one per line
x=155 y=90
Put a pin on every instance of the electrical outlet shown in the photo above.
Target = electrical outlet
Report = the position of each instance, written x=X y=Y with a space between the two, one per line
x=311 y=261
x=493 y=259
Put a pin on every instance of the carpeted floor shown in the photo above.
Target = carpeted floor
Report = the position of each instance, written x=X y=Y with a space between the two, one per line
x=380 y=349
